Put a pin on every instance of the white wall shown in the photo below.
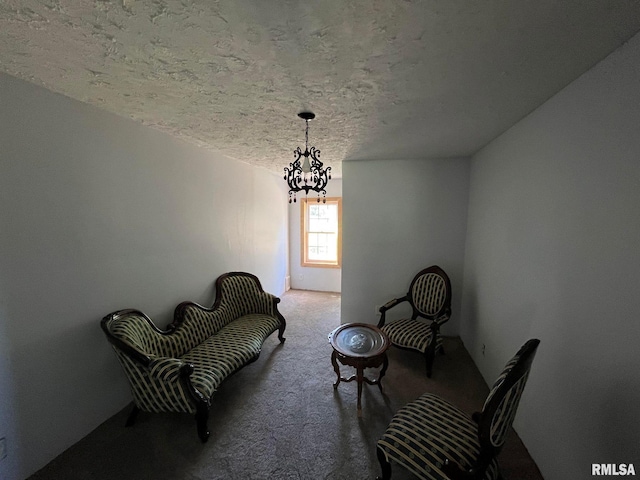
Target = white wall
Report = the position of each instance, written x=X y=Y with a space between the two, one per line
x=311 y=278
x=400 y=216
x=99 y=213
x=553 y=252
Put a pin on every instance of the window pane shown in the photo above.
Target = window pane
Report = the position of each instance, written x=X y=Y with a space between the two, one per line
x=323 y=218
x=323 y=247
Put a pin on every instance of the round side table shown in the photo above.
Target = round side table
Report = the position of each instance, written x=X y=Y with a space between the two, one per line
x=359 y=345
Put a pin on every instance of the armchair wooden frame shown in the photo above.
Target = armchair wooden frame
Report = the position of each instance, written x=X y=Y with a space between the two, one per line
x=423 y=305
x=492 y=425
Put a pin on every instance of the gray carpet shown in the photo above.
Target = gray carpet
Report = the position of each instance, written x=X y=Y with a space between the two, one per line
x=280 y=418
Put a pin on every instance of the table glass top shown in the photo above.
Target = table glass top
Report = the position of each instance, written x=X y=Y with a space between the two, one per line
x=358 y=340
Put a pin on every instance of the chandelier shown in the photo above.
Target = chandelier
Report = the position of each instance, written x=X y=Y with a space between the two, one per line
x=308 y=174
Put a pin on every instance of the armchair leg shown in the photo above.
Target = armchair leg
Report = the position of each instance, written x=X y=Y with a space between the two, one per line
x=432 y=348
x=132 y=416
x=429 y=357
x=385 y=466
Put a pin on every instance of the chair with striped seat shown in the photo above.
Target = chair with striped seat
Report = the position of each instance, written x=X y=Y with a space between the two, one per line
x=430 y=298
x=435 y=440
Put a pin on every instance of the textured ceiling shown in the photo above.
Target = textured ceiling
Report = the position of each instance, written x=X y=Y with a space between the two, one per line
x=386 y=79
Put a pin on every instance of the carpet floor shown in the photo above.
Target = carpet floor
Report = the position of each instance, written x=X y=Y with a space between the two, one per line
x=280 y=417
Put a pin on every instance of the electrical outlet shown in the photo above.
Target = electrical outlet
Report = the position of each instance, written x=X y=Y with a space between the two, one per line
x=3 y=448
x=483 y=349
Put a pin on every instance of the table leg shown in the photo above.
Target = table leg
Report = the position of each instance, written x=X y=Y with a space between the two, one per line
x=336 y=368
x=359 y=379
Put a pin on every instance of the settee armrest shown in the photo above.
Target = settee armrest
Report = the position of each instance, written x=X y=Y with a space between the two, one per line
x=135 y=334
x=176 y=375
x=166 y=369
x=243 y=294
x=273 y=302
x=263 y=303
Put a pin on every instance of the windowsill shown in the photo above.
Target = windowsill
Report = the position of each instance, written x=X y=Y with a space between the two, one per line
x=321 y=265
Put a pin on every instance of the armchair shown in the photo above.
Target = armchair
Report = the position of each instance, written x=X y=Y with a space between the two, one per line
x=437 y=441
x=430 y=298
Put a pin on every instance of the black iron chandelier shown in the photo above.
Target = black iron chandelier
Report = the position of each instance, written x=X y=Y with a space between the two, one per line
x=308 y=174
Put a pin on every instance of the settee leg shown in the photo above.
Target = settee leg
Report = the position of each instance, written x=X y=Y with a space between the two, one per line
x=132 y=416
x=202 y=417
x=283 y=325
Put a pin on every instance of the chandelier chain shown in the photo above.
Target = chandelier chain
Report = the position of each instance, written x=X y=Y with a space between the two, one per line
x=306 y=137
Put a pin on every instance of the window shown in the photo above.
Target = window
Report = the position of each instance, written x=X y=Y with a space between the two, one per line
x=321 y=233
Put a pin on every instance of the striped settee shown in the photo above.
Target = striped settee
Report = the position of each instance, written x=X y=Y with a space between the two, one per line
x=180 y=368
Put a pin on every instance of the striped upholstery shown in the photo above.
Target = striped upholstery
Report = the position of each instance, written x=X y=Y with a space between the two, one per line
x=504 y=414
x=216 y=342
x=238 y=296
x=157 y=392
x=233 y=347
x=429 y=430
x=243 y=296
x=410 y=333
x=136 y=331
x=198 y=324
x=429 y=293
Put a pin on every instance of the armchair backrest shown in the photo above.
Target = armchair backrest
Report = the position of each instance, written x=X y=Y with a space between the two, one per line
x=502 y=403
x=430 y=293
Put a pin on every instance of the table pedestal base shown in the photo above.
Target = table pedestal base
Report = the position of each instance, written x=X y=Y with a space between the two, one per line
x=359 y=364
